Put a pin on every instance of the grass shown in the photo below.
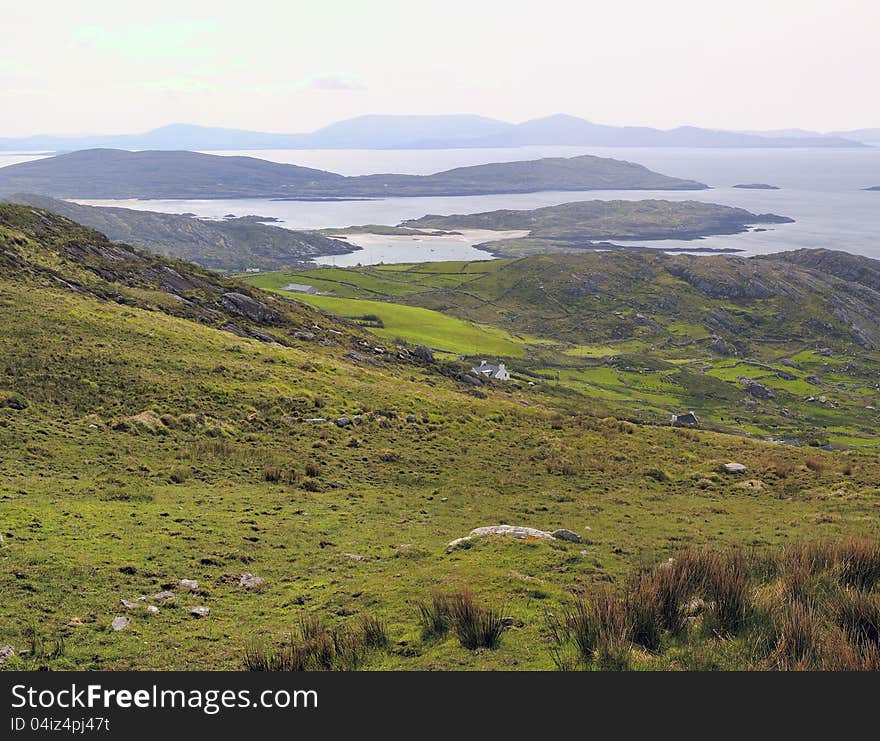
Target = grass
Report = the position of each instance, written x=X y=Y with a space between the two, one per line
x=425 y=327
x=142 y=448
x=725 y=607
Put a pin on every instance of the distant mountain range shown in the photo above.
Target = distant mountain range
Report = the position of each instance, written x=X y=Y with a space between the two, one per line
x=442 y=132
x=111 y=173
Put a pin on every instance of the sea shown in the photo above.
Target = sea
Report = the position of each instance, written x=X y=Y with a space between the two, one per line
x=823 y=190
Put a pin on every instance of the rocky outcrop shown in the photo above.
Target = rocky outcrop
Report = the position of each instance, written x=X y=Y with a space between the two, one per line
x=250 y=308
x=755 y=388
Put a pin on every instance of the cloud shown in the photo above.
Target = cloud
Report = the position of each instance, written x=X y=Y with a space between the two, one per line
x=335 y=82
x=174 y=40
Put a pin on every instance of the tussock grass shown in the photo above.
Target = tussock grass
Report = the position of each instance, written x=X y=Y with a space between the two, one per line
x=317 y=647
x=474 y=624
x=805 y=607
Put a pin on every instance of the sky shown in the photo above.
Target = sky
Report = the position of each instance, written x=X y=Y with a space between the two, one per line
x=105 y=66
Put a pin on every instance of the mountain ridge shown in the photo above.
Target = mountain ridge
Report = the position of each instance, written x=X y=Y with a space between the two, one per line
x=377 y=131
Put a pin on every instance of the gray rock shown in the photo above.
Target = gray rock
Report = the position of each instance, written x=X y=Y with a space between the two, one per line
x=250 y=308
x=356 y=557
x=720 y=347
x=734 y=468
x=510 y=531
x=568 y=535
x=188 y=585
x=6 y=653
x=120 y=622
x=249 y=581
x=756 y=389
x=200 y=612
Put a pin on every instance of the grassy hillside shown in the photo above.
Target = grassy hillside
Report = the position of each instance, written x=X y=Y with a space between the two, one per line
x=653 y=335
x=232 y=244
x=111 y=173
x=142 y=443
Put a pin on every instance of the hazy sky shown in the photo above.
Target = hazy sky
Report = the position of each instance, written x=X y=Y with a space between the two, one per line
x=106 y=66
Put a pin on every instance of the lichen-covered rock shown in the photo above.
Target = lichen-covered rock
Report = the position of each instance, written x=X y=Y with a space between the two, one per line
x=510 y=531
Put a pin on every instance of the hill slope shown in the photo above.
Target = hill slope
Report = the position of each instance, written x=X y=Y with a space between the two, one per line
x=231 y=244
x=141 y=443
x=101 y=173
x=783 y=346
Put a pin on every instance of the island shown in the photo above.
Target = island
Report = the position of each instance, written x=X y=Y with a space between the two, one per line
x=119 y=174
x=590 y=225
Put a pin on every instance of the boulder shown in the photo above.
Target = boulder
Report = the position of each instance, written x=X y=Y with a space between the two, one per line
x=756 y=389
x=720 y=347
x=120 y=622
x=513 y=531
x=249 y=581
x=568 y=535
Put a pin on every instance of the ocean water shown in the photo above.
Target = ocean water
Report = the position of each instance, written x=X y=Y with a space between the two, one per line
x=822 y=189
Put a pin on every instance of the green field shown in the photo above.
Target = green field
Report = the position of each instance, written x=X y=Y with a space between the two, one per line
x=146 y=439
